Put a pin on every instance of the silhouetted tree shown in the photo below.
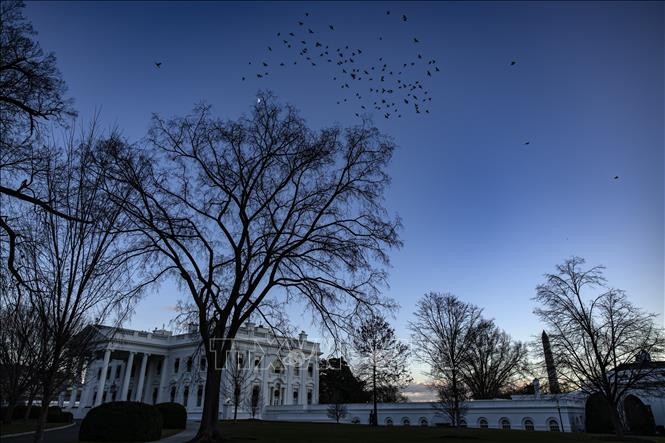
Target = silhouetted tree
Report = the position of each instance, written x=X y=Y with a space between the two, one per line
x=600 y=341
x=237 y=380
x=494 y=363
x=382 y=359
x=75 y=271
x=450 y=402
x=31 y=93
x=337 y=411
x=239 y=208
x=338 y=384
x=443 y=334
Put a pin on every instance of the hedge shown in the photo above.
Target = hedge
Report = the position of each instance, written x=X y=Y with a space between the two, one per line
x=122 y=421
x=174 y=415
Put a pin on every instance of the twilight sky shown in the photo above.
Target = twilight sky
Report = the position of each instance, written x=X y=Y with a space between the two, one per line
x=484 y=214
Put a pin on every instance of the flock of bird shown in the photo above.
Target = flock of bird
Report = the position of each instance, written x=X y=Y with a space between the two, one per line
x=367 y=81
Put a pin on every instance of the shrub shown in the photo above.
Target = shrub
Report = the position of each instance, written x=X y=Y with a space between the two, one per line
x=19 y=412
x=122 y=421
x=174 y=415
x=57 y=415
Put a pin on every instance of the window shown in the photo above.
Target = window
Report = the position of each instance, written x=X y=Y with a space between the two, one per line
x=117 y=371
x=462 y=423
x=505 y=424
x=389 y=421
x=159 y=367
x=185 y=396
x=296 y=370
x=278 y=367
x=553 y=425
x=176 y=365
x=155 y=392
x=406 y=422
x=528 y=425
x=257 y=361
x=423 y=422
x=295 y=396
x=309 y=396
x=173 y=394
x=199 y=395
x=241 y=360
x=202 y=363
x=310 y=370
x=189 y=364
x=482 y=423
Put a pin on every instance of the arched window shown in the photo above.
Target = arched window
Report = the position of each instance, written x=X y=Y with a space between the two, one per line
x=462 y=423
x=505 y=424
x=553 y=425
x=277 y=367
x=528 y=425
x=389 y=421
x=406 y=421
x=482 y=423
x=185 y=396
x=423 y=422
x=173 y=394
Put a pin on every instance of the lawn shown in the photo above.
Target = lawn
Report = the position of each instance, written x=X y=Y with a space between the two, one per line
x=19 y=426
x=264 y=432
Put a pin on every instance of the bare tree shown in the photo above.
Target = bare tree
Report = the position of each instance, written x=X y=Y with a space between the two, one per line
x=382 y=359
x=75 y=272
x=442 y=335
x=337 y=411
x=451 y=403
x=19 y=348
x=31 y=93
x=494 y=363
x=253 y=401
x=237 y=378
x=239 y=208
x=598 y=338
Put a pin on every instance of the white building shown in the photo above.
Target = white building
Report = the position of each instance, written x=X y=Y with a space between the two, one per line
x=160 y=367
x=157 y=366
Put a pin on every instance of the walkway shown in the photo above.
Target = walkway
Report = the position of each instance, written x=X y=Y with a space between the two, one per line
x=184 y=436
x=67 y=435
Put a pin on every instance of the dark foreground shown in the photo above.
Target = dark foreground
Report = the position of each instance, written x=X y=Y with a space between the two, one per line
x=264 y=432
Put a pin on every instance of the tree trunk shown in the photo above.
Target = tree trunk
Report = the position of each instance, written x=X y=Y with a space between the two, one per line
x=235 y=411
x=376 y=416
x=9 y=412
x=616 y=421
x=208 y=429
x=31 y=399
x=41 y=422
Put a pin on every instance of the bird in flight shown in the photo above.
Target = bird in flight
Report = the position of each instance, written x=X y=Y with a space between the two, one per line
x=616 y=177
x=527 y=143
x=403 y=18
x=415 y=40
x=513 y=63
x=158 y=64
x=331 y=27
x=387 y=12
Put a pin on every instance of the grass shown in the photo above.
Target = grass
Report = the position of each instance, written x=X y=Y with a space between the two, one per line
x=165 y=433
x=19 y=426
x=268 y=432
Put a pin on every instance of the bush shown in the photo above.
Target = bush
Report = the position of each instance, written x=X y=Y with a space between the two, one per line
x=174 y=415
x=122 y=421
x=57 y=415
x=19 y=412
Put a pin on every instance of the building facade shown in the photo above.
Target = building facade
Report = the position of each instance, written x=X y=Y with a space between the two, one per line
x=155 y=367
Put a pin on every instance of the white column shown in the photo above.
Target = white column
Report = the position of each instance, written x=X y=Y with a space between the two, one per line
x=161 y=394
x=303 y=385
x=72 y=398
x=315 y=390
x=147 y=391
x=128 y=374
x=139 y=388
x=102 y=378
x=289 y=385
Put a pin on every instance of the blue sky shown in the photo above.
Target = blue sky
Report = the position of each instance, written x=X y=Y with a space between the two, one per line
x=485 y=216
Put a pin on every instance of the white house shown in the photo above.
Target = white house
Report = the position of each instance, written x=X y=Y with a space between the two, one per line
x=158 y=366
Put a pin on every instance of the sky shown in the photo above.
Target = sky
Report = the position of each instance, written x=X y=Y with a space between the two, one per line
x=485 y=215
